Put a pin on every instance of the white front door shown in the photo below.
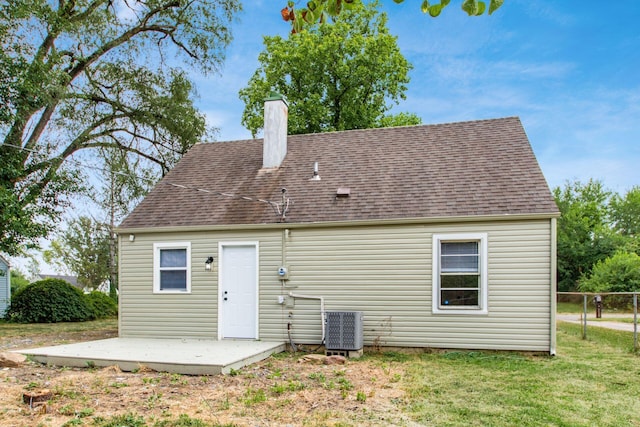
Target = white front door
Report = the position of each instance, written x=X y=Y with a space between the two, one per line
x=238 y=290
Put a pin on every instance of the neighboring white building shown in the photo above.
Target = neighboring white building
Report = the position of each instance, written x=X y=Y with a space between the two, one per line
x=73 y=280
x=5 y=285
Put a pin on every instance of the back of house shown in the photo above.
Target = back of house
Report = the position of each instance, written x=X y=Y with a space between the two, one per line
x=441 y=236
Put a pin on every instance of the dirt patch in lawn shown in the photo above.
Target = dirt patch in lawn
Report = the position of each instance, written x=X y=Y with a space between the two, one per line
x=281 y=390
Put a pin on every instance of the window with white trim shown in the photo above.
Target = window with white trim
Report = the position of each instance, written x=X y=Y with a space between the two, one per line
x=172 y=267
x=460 y=273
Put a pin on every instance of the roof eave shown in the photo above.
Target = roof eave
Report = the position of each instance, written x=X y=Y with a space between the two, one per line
x=327 y=224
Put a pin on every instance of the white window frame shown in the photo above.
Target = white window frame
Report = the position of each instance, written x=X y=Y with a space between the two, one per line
x=482 y=307
x=157 y=247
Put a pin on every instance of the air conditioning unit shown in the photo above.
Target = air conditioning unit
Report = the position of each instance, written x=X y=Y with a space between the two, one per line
x=343 y=330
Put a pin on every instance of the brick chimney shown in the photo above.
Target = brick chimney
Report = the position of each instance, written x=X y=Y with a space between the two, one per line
x=274 y=147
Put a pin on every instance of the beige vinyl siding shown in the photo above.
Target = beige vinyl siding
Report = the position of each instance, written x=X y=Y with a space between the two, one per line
x=145 y=314
x=384 y=271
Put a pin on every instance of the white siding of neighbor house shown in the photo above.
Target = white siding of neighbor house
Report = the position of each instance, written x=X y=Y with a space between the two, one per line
x=383 y=271
x=5 y=287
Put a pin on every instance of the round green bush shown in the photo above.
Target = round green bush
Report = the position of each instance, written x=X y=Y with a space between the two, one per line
x=618 y=273
x=101 y=304
x=49 y=301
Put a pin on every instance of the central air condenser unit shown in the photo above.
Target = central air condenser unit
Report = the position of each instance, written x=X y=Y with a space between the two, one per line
x=344 y=330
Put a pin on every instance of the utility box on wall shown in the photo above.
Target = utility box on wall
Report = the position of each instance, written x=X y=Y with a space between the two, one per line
x=344 y=330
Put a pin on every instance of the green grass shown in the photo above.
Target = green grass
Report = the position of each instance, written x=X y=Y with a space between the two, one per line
x=569 y=307
x=613 y=319
x=592 y=382
x=9 y=330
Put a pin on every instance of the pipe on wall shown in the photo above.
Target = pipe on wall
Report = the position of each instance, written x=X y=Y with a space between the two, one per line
x=321 y=299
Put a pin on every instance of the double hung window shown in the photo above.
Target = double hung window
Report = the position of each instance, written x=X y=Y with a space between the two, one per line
x=172 y=267
x=460 y=273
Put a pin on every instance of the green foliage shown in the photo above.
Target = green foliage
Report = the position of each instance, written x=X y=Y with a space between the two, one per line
x=18 y=281
x=583 y=233
x=319 y=11
x=83 y=249
x=625 y=212
x=400 y=119
x=49 y=301
x=128 y=420
x=618 y=273
x=595 y=224
x=85 y=75
x=102 y=305
x=334 y=77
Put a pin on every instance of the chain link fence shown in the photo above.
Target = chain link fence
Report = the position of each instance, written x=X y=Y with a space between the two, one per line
x=614 y=310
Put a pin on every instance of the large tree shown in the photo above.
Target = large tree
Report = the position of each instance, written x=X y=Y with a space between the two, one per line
x=625 y=212
x=77 y=75
x=126 y=181
x=319 y=11
x=335 y=77
x=82 y=249
x=587 y=230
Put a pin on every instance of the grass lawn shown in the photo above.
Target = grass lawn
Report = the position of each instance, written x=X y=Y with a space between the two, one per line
x=38 y=329
x=21 y=335
x=569 y=307
x=592 y=382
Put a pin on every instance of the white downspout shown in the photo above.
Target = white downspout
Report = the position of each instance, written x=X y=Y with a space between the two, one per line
x=300 y=296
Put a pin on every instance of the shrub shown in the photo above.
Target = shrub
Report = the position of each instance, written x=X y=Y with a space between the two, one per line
x=618 y=273
x=49 y=301
x=101 y=304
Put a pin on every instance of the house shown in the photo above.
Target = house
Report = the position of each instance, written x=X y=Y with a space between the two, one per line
x=73 y=280
x=442 y=235
x=5 y=286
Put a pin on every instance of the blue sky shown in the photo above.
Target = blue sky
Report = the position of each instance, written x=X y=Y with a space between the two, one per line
x=569 y=70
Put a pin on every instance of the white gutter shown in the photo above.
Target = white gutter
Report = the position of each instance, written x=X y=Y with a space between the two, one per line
x=300 y=296
x=553 y=290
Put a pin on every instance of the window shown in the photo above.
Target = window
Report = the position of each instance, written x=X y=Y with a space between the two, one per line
x=172 y=267
x=460 y=273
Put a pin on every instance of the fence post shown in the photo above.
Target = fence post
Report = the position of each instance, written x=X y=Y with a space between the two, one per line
x=584 y=317
x=635 y=321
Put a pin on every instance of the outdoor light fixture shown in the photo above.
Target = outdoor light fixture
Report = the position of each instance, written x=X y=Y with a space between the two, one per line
x=132 y=237
x=207 y=263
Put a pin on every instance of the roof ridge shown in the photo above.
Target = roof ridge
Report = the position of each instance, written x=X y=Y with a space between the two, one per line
x=462 y=122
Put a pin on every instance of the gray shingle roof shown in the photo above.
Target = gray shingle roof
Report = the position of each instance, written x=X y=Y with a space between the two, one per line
x=484 y=167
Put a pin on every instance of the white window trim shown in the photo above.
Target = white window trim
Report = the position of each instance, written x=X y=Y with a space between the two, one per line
x=156 y=266
x=483 y=254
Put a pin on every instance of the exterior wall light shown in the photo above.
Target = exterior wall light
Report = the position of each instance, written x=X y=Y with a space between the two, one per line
x=207 y=263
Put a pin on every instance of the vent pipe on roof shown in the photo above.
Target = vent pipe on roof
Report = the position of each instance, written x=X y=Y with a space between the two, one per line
x=316 y=174
x=274 y=147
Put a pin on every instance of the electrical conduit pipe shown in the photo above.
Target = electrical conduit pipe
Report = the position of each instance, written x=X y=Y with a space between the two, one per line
x=321 y=299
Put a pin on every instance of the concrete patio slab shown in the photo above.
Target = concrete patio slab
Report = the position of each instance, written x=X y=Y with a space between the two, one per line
x=182 y=356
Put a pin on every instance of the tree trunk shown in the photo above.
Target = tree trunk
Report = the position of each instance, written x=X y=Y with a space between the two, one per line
x=113 y=266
